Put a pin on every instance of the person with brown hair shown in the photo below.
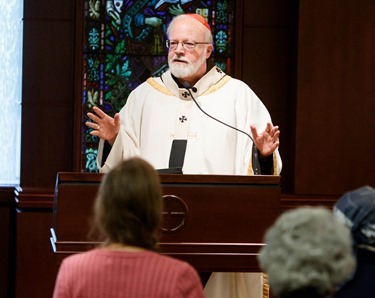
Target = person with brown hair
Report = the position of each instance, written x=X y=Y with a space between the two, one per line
x=127 y=215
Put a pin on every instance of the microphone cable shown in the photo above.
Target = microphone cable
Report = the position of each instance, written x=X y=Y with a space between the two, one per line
x=254 y=154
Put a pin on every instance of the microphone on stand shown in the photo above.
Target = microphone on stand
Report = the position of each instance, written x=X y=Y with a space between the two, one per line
x=254 y=153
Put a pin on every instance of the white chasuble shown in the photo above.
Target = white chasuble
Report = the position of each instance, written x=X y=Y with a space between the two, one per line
x=149 y=124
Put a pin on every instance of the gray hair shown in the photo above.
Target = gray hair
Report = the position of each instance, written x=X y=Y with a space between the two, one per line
x=208 y=37
x=307 y=248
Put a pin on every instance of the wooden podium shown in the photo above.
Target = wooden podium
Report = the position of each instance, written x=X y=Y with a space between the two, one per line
x=214 y=222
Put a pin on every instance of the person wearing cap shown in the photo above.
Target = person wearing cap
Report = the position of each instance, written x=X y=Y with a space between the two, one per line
x=356 y=209
x=308 y=254
x=168 y=121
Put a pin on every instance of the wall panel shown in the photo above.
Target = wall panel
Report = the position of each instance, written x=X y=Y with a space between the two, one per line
x=48 y=90
x=35 y=263
x=7 y=241
x=269 y=65
x=335 y=96
x=47 y=97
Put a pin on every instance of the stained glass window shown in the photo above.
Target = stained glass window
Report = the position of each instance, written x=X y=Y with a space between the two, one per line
x=125 y=44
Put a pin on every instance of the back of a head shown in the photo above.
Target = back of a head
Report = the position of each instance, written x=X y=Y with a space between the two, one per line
x=307 y=249
x=128 y=206
x=356 y=209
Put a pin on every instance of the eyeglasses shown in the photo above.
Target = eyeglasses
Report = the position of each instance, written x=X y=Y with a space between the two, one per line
x=187 y=45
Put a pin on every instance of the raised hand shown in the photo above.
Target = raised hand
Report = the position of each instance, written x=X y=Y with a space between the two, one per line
x=268 y=140
x=104 y=126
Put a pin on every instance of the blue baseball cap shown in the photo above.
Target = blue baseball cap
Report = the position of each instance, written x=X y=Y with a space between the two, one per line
x=356 y=209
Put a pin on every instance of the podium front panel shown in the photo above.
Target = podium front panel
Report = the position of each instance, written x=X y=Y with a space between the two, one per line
x=214 y=222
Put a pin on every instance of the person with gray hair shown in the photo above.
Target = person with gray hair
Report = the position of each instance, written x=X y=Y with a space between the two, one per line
x=178 y=120
x=308 y=253
x=356 y=209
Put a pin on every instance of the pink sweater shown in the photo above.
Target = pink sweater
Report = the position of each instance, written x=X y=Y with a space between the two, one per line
x=107 y=273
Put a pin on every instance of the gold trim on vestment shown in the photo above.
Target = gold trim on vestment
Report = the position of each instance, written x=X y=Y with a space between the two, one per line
x=217 y=85
x=275 y=165
x=266 y=287
x=212 y=89
x=159 y=87
x=250 y=170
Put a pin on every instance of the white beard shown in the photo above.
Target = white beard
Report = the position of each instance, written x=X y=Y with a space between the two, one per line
x=180 y=70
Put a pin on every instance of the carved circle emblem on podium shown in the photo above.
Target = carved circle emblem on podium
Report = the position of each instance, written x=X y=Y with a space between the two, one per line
x=175 y=214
